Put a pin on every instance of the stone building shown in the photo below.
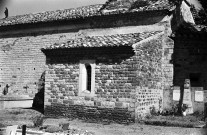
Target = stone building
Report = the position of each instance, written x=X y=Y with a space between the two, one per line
x=109 y=61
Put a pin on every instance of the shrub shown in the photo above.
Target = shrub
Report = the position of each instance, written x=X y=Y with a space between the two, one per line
x=53 y=129
x=148 y=116
x=38 y=120
x=184 y=107
x=153 y=110
x=16 y=112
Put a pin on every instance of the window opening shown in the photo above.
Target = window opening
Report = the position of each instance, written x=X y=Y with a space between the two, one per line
x=88 y=77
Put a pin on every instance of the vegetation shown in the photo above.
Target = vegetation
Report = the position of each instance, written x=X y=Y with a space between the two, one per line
x=38 y=120
x=53 y=129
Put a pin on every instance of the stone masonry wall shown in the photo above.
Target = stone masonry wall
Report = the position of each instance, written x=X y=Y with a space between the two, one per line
x=22 y=62
x=114 y=86
x=149 y=93
x=168 y=72
x=128 y=80
x=124 y=79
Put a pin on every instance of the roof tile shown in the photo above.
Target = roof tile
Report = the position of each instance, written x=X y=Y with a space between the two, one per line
x=117 y=7
x=103 y=41
x=48 y=16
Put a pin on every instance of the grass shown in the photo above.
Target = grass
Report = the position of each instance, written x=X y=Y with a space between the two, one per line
x=17 y=116
x=174 y=121
x=30 y=117
x=16 y=112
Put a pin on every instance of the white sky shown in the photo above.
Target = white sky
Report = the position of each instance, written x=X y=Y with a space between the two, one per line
x=18 y=7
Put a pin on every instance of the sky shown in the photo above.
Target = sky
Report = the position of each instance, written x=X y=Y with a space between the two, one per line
x=19 y=7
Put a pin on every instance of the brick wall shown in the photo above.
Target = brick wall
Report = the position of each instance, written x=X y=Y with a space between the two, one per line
x=124 y=78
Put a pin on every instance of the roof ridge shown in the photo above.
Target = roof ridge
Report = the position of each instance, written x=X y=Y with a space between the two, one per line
x=51 y=11
x=82 y=12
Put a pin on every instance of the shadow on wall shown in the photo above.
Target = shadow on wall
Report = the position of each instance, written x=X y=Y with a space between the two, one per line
x=107 y=55
x=38 y=102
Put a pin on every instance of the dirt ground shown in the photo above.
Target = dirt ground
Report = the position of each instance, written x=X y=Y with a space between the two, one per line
x=24 y=116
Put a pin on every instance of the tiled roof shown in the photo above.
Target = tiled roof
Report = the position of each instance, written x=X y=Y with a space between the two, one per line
x=138 y=6
x=48 y=16
x=155 y=5
x=87 y=11
x=103 y=41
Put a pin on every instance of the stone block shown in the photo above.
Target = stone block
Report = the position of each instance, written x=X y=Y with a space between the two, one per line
x=71 y=93
x=107 y=104
x=87 y=98
x=71 y=102
x=125 y=105
x=61 y=97
x=49 y=100
x=65 y=101
x=132 y=105
x=131 y=109
x=47 y=103
x=54 y=100
x=119 y=104
x=97 y=103
x=89 y=103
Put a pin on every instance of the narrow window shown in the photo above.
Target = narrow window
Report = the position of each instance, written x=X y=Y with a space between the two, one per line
x=88 y=77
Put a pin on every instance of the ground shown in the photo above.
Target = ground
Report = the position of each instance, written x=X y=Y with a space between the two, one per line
x=25 y=116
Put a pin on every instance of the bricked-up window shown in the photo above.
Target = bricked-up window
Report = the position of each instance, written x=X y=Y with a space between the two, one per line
x=87 y=77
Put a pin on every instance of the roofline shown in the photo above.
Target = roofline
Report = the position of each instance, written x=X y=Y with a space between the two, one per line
x=59 y=23
x=100 y=13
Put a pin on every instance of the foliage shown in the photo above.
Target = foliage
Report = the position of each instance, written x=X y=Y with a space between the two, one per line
x=204 y=4
x=53 y=129
x=173 y=123
x=148 y=116
x=2 y=125
x=153 y=111
x=38 y=102
x=184 y=107
x=16 y=112
x=38 y=120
